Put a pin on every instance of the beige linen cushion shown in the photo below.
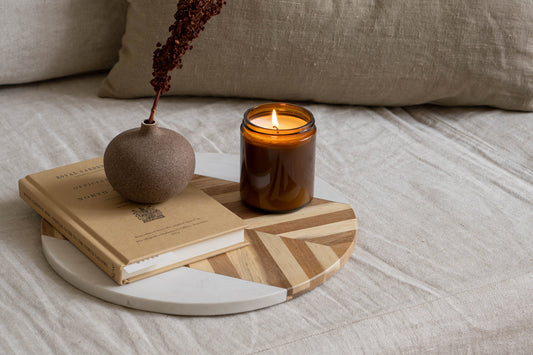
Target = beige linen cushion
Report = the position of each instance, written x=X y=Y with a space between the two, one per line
x=43 y=39
x=476 y=52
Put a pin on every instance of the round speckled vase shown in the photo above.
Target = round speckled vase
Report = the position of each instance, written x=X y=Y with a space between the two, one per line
x=149 y=164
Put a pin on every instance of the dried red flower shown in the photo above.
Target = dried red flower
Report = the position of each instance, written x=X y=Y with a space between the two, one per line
x=191 y=17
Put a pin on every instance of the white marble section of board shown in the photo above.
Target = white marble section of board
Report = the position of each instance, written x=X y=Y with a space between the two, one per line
x=183 y=291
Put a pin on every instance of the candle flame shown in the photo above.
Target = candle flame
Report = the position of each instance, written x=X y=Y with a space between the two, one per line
x=274 y=119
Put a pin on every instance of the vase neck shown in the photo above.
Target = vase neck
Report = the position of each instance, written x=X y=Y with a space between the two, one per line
x=148 y=127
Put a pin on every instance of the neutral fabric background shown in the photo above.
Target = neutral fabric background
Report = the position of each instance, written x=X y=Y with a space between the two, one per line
x=364 y=52
x=443 y=262
x=43 y=39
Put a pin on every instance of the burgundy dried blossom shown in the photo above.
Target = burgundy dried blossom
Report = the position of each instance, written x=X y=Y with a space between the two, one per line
x=191 y=17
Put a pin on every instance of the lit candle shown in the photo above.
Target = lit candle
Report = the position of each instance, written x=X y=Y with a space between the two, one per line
x=277 y=157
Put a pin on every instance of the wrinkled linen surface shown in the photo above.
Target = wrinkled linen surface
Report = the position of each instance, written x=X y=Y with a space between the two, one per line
x=444 y=254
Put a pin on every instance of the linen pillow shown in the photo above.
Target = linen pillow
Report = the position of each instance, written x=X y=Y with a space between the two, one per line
x=476 y=52
x=47 y=39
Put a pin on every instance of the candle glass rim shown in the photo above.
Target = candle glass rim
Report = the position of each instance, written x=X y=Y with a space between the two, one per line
x=304 y=114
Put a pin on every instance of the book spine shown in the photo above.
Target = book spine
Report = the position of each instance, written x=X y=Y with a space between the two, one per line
x=71 y=230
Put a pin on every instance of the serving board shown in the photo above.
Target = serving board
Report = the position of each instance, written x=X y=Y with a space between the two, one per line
x=287 y=255
x=296 y=251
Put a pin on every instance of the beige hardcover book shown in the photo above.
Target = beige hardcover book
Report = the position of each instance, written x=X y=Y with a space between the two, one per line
x=126 y=240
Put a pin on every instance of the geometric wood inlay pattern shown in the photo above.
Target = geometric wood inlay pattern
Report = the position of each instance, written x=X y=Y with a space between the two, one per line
x=297 y=251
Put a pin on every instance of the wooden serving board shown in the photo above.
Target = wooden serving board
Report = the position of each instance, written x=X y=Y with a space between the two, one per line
x=296 y=251
x=287 y=255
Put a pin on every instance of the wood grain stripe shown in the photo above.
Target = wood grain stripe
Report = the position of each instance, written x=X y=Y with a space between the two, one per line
x=328 y=260
x=309 y=262
x=309 y=222
x=202 y=265
x=332 y=239
x=339 y=242
x=321 y=230
x=263 y=220
x=325 y=255
x=260 y=218
x=347 y=254
x=286 y=261
x=304 y=256
x=203 y=182
x=248 y=264
x=341 y=249
x=228 y=197
x=241 y=210
x=222 y=265
x=274 y=275
x=222 y=188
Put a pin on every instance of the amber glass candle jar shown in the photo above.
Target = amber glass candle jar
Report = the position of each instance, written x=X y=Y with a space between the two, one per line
x=277 y=157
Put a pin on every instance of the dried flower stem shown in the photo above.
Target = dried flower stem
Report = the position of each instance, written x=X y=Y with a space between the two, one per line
x=154 y=107
x=191 y=17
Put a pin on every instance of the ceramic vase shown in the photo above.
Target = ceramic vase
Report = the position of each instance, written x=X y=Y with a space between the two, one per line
x=149 y=164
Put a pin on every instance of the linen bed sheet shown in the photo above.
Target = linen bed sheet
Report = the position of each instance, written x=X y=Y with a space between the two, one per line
x=444 y=254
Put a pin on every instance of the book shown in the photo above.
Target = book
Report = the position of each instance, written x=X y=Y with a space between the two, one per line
x=130 y=241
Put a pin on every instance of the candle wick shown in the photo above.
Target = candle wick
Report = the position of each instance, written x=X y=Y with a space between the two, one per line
x=277 y=129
